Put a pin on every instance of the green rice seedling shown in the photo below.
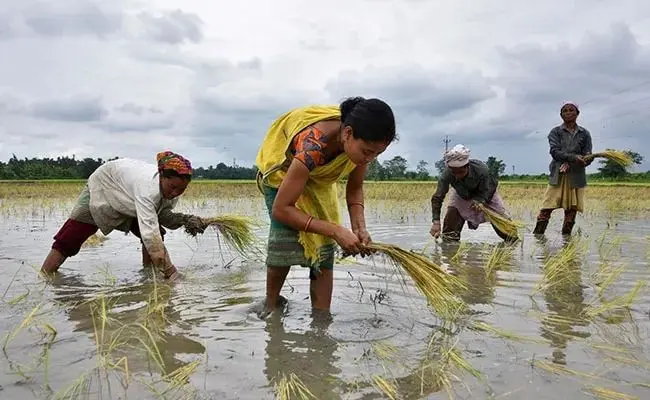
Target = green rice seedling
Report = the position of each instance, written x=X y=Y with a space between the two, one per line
x=291 y=387
x=500 y=258
x=95 y=240
x=560 y=269
x=385 y=351
x=461 y=251
x=434 y=283
x=485 y=327
x=622 y=302
x=608 y=394
x=503 y=223
x=619 y=157
x=561 y=369
x=26 y=322
x=388 y=388
x=236 y=230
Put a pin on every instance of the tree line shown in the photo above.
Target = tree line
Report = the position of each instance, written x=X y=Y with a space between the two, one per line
x=397 y=168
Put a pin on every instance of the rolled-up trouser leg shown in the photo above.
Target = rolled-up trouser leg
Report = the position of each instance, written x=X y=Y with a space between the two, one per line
x=569 y=221
x=452 y=225
x=543 y=217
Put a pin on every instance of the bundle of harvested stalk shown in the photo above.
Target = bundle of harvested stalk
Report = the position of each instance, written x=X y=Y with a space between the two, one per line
x=500 y=221
x=436 y=285
x=236 y=230
x=619 y=157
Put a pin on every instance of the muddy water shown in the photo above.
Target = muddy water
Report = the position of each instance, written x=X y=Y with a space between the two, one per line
x=206 y=324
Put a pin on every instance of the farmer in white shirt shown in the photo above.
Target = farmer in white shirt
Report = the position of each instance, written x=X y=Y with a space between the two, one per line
x=129 y=196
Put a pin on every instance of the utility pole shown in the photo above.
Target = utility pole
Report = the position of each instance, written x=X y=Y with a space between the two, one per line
x=447 y=141
x=513 y=169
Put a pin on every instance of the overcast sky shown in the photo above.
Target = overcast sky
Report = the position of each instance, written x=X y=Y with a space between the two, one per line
x=206 y=78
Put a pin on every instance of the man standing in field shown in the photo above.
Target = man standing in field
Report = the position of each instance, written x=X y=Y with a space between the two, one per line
x=130 y=196
x=569 y=143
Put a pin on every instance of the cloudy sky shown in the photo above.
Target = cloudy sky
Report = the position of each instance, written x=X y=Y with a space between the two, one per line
x=206 y=78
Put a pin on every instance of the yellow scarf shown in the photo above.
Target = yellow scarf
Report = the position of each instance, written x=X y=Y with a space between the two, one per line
x=320 y=196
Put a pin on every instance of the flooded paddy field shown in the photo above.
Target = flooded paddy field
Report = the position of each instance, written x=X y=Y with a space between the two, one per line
x=550 y=317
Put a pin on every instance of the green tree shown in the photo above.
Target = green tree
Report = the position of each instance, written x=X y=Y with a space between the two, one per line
x=440 y=166
x=375 y=171
x=610 y=169
x=422 y=170
x=396 y=167
x=496 y=167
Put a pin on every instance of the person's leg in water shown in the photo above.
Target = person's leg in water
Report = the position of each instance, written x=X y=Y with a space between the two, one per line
x=275 y=277
x=569 y=221
x=146 y=257
x=321 y=283
x=452 y=225
x=543 y=217
x=67 y=243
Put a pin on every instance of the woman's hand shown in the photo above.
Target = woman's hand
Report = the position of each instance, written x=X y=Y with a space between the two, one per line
x=348 y=240
x=365 y=239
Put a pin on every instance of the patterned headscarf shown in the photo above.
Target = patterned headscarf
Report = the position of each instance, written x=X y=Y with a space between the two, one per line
x=171 y=160
x=457 y=156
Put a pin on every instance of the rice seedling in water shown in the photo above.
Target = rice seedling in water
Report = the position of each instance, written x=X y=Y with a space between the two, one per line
x=386 y=387
x=619 y=157
x=622 y=302
x=501 y=222
x=609 y=394
x=291 y=387
x=485 y=327
x=463 y=249
x=434 y=283
x=236 y=230
x=499 y=258
x=557 y=269
x=95 y=240
x=385 y=350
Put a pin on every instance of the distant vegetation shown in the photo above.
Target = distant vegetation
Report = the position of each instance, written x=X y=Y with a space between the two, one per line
x=395 y=169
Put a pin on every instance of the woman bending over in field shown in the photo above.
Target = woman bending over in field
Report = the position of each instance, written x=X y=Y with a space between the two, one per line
x=305 y=152
x=568 y=143
x=129 y=196
x=472 y=183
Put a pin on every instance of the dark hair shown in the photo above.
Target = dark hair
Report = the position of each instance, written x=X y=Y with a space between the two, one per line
x=371 y=120
x=172 y=173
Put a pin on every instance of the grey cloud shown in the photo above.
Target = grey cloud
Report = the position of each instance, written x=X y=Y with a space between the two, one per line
x=414 y=89
x=172 y=27
x=137 y=109
x=131 y=117
x=73 y=109
x=103 y=20
x=211 y=71
x=599 y=65
x=72 y=18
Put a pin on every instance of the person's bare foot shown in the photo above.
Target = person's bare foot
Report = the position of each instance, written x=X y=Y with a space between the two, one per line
x=262 y=311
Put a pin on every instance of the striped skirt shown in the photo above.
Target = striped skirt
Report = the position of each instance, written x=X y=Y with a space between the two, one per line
x=283 y=248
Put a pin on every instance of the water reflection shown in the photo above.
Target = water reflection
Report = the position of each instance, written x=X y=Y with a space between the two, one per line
x=477 y=266
x=144 y=302
x=565 y=302
x=310 y=355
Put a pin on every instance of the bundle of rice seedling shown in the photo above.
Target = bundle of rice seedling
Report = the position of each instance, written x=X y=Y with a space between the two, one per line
x=619 y=157
x=436 y=285
x=236 y=230
x=291 y=387
x=502 y=223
